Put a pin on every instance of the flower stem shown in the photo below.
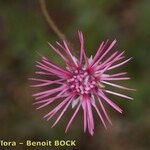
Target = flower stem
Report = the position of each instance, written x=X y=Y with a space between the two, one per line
x=51 y=23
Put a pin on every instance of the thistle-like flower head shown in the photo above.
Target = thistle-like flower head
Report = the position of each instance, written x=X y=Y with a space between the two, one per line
x=81 y=84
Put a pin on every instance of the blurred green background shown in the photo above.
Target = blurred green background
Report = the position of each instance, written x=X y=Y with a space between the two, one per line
x=24 y=32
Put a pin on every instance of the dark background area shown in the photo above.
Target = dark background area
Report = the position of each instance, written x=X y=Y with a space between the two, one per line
x=24 y=31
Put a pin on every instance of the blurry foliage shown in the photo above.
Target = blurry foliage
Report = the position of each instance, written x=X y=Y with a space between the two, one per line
x=24 y=32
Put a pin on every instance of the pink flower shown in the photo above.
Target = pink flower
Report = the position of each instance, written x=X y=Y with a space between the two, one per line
x=81 y=84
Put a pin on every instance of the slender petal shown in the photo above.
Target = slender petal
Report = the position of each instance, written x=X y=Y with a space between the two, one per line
x=82 y=50
x=69 y=53
x=103 y=109
x=115 y=75
x=109 y=48
x=111 y=103
x=72 y=118
x=100 y=50
x=51 y=91
x=99 y=114
x=118 y=86
x=118 y=94
x=57 y=108
x=58 y=52
x=56 y=67
x=46 y=82
x=113 y=79
x=85 y=115
x=67 y=105
x=90 y=117
x=115 y=66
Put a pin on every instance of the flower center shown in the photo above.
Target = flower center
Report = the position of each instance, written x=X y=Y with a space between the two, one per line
x=82 y=82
